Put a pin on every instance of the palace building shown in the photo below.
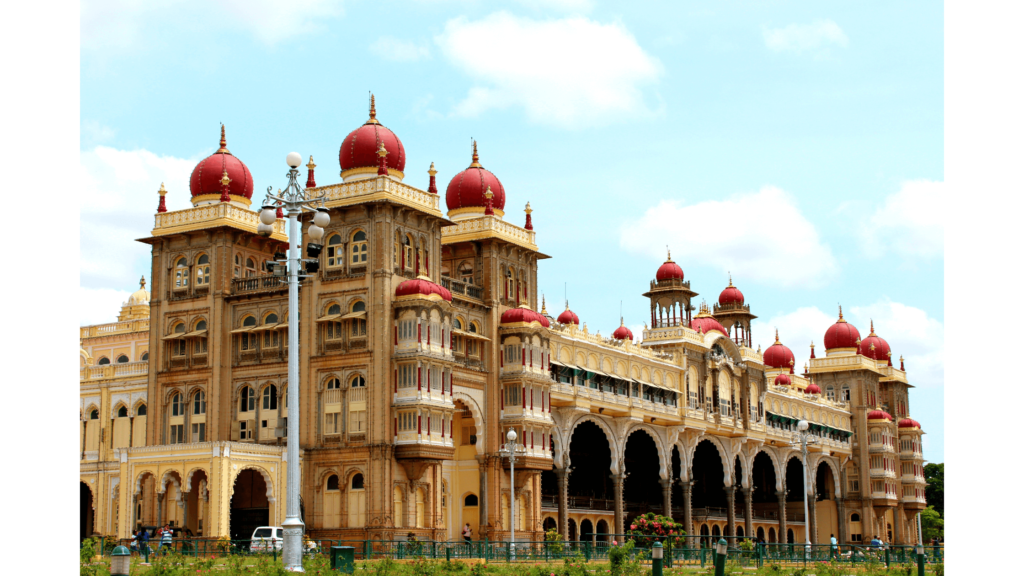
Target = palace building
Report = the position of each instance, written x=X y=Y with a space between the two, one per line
x=423 y=339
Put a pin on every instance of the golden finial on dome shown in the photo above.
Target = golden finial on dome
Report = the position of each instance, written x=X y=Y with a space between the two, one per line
x=669 y=259
x=872 y=327
x=311 y=166
x=841 y=314
x=432 y=172
x=381 y=150
x=142 y=283
x=225 y=180
x=476 y=158
x=489 y=209
x=223 y=141
x=730 y=279
x=777 y=338
x=857 y=342
x=872 y=347
x=373 y=111
x=528 y=210
x=543 y=305
x=162 y=191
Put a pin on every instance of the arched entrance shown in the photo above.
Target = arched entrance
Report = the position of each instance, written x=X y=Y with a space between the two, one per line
x=824 y=482
x=708 y=478
x=196 y=504
x=586 y=530
x=550 y=524
x=705 y=536
x=794 y=480
x=763 y=495
x=642 y=490
x=760 y=533
x=250 y=507
x=677 y=488
x=771 y=535
x=591 y=458
x=572 y=530
x=602 y=531
x=85 y=506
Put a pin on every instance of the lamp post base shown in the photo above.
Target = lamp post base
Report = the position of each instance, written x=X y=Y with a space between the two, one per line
x=291 y=553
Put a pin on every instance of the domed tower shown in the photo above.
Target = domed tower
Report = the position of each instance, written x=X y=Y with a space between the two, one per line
x=137 y=305
x=670 y=296
x=359 y=154
x=467 y=192
x=221 y=177
x=734 y=314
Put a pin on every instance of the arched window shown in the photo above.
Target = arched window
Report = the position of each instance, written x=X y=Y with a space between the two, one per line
x=94 y=415
x=398 y=500
x=122 y=359
x=122 y=412
x=270 y=397
x=472 y=347
x=332 y=407
x=466 y=272
x=103 y=361
x=357 y=405
x=248 y=339
x=145 y=356
x=271 y=337
x=203 y=270
x=471 y=500
x=238 y=266
x=854 y=517
x=180 y=274
x=141 y=410
x=333 y=384
x=333 y=323
x=177 y=420
x=247 y=400
x=199 y=347
x=177 y=406
x=408 y=260
x=250 y=267
x=199 y=402
x=358 y=319
x=178 y=344
x=332 y=482
x=357 y=482
x=335 y=251
x=359 y=248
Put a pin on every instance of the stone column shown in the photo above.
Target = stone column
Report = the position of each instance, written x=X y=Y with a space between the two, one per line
x=184 y=508
x=617 y=483
x=563 y=502
x=666 y=496
x=811 y=522
x=781 y=494
x=160 y=508
x=687 y=511
x=897 y=519
x=485 y=462
x=748 y=513
x=841 y=512
x=730 y=498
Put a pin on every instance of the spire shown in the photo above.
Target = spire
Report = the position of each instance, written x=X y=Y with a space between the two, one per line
x=730 y=280
x=889 y=354
x=142 y=283
x=382 y=168
x=476 y=158
x=543 y=305
x=777 y=338
x=902 y=369
x=812 y=348
x=310 y=178
x=224 y=181
x=373 y=111
x=669 y=254
x=529 y=220
x=163 y=204
x=223 y=142
x=872 y=328
x=433 y=179
x=841 y=315
x=791 y=367
x=489 y=210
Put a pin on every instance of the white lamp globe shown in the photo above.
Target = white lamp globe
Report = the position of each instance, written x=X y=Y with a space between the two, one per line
x=294 y=159
x=321 y=218
x=802 y=425
x=268 y=215
x=264 y=229
x=511 y=435
x=315 y=232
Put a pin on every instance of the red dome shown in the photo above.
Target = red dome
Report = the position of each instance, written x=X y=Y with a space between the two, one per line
x=421 y=286
x=359 y=148
x=909 y=423
x=467 y=188
x=669 y=270
x=782 y=380
x=812 y=389
x=622 y=333
x=207 y=175
x=881 y=347
x=731 y=295
x=842 y=334
x=525 y=315
x=777 y=355
x=568 y=317
x=879 y=415
x=706 y=324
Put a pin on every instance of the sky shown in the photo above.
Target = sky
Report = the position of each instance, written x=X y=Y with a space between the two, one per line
x=796 y=145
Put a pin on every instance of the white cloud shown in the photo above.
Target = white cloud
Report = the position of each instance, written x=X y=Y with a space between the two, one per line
x=390 y=48
x=910 y=332
x=568 y=72
x=123 y=24
x=767 y=239
x=100 y=305
x=909 y=222
x=815 y=37
x=121 y=191
x=572 y=6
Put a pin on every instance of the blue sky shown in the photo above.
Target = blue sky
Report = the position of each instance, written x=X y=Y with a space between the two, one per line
x=798 y=145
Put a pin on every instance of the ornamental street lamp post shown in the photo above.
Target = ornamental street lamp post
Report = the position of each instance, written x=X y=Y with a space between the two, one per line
x=294 y=200
x=510 y=449
x=803 y=434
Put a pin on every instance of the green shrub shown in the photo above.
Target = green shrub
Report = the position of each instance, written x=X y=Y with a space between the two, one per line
x=554 y=540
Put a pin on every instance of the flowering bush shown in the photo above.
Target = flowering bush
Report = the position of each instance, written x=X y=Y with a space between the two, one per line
x=651 y=527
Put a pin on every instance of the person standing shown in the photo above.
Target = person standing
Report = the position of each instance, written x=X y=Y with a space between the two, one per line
x=143 y=540
x=166 y=536
x=467 y=533
x=834 y=551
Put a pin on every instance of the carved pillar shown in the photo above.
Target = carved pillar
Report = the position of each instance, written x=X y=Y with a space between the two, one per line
x=811 y=522
x=485 y=463
x=748 y=512
x=184 y=508
x=666 y=497
x=563 y=502
x=160 y=508
x=136 y=521
x=781 y=494
x=687 y=511
x=730 y=498
x=617 y=483
x=841 y=512
x=897 y=519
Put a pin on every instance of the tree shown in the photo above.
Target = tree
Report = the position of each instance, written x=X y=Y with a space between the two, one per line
x=931 y=524
x=933 y=475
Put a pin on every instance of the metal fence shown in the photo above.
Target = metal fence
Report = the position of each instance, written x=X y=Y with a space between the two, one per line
x=699 y=554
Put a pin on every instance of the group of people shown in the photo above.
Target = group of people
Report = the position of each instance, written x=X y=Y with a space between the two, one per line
x=140 y=540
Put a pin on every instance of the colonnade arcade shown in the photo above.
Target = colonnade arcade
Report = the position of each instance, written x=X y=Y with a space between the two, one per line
x=614 y=469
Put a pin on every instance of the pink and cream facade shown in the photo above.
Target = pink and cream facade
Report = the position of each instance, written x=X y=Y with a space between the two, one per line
x=423 y=341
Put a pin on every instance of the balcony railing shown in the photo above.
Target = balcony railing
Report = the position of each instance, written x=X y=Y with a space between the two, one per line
x=458 y=287
x=256 y=284
x=115 y=370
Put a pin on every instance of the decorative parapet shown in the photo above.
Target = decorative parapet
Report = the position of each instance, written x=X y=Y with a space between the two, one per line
x=112 y=328
x=211 y=216
x=843 y=363
x=489 y=227
x=672 y=334
x=891 y=374
x=574 y=332
x=380 y=188
x=114 y=371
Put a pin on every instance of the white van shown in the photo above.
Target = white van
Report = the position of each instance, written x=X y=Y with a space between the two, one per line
x=267 y=538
